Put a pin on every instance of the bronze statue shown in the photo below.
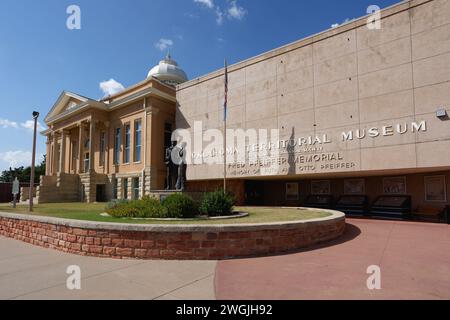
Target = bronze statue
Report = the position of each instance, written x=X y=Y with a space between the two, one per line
x=182 y=167
x=172 y=170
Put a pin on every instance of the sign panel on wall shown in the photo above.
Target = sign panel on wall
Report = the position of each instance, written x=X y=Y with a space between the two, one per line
x=394 y=186
x=435 y=189
x=322 y=187
x=355 y=187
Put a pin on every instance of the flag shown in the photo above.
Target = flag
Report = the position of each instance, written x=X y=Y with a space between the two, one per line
x=225 y=105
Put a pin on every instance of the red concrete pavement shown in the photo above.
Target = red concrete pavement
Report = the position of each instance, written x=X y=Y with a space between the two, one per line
x=414 y=260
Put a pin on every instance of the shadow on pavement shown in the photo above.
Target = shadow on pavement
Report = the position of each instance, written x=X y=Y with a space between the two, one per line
x=351 y=232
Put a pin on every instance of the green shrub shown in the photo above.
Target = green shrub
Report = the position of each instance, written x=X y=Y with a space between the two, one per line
x=117 y=208
x=217 y=203
x=115 y=203
x=145 y=208
x=180 y=206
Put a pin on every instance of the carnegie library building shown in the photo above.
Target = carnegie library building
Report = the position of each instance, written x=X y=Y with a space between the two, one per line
x=354 y=118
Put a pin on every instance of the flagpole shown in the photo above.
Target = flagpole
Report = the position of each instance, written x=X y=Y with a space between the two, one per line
x=225 y=131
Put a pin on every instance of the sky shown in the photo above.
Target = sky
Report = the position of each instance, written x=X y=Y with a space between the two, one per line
x=43 y=52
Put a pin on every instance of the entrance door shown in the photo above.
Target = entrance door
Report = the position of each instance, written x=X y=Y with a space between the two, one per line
x=101 y=193
x=254 y=193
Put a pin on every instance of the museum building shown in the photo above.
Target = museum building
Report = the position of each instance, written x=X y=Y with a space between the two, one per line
x=361 y=115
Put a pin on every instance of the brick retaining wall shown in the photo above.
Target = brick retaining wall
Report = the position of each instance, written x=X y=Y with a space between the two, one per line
x=169 y=242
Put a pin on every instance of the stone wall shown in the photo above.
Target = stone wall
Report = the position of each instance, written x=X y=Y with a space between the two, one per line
x=59 y=188
x=170 y=242
x=25 y=193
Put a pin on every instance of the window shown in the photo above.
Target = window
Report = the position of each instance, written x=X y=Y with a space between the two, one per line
x=102 y=148
x=125 y=188
x=127 y=143
x=115 y=188
x=135 y=188
x=137 y=140
x=117 y=143
x=71 y=105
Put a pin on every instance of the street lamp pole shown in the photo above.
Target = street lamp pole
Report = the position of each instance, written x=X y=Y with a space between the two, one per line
x=33 y=160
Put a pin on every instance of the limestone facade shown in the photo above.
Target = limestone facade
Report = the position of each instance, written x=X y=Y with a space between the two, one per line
x=125 y=158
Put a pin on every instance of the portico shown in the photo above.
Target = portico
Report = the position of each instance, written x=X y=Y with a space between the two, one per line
x=64 y=149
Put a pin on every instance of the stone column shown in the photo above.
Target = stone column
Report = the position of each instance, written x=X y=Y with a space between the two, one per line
x=119 y=188
x=48 y=156
x=149 y=181
x=62 y=153
x=91 y=146
x=80 y=148
x=107 y=147
x=55 y=155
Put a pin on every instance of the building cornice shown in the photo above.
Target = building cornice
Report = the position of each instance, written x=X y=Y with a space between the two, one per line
x=137 y=85
x=80 y=108
x=139 y=96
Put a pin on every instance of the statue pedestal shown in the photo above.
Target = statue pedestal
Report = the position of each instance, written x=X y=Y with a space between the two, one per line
x=160 y=195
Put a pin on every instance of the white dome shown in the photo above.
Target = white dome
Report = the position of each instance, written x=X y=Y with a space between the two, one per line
x=168 y=72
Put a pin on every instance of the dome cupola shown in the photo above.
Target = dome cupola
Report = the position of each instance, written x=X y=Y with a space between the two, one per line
x=168 y=71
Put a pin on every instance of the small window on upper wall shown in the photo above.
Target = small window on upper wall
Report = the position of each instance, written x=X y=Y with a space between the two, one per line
x=71 y=105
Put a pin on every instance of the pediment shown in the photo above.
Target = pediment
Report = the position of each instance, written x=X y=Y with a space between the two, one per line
x=66 y=101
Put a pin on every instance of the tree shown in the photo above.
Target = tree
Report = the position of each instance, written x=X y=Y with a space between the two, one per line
x=23 y=174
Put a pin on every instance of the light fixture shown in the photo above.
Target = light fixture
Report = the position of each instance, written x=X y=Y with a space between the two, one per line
x=441 y=113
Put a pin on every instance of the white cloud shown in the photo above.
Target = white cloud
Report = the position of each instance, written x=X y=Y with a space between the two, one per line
x=29 y=125
x=219 y=16
x=18 y=158
x=111 y=87
x=207 y=3
x=164 y=44
x=5 y=124
x=335 y=25
x=236 y=12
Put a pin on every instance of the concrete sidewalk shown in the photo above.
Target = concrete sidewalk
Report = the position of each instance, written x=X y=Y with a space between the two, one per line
x=29 y=272
x=414 y=260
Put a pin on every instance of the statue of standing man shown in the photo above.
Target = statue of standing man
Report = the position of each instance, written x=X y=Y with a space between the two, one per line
x=180 y=152
x=171 y=167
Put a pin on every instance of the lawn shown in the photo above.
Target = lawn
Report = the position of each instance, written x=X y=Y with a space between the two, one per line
x=91 y=212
